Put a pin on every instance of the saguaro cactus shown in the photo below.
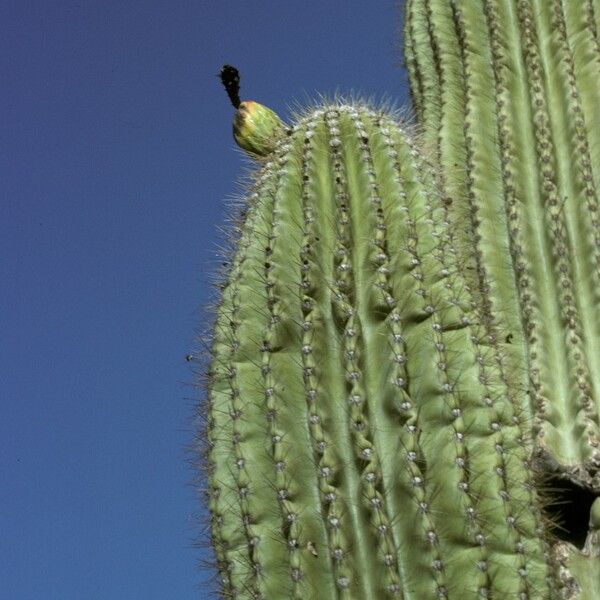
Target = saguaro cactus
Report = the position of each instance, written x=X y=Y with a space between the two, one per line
x=405 y=345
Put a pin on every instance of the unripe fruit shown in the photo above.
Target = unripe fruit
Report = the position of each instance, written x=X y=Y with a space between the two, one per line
x=256 y=128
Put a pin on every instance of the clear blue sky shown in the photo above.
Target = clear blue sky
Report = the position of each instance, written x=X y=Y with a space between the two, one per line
x=116 y=157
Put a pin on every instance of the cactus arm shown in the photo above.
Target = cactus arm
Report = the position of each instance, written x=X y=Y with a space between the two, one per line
x=365 y=440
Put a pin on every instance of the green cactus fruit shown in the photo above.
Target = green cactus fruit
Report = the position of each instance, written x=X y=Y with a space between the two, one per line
x=256 y=128
x=365 y=439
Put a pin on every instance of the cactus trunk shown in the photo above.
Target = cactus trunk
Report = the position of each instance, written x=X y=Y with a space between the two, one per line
x=507 y=92
x=516 y=86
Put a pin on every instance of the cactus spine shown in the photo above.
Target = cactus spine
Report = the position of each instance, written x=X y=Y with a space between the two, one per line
x=400 y=340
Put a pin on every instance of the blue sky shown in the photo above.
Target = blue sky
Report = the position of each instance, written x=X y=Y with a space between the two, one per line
x=116 y=159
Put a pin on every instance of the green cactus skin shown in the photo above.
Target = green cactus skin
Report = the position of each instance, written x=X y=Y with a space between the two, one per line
x=365 y=440
x=508 y=92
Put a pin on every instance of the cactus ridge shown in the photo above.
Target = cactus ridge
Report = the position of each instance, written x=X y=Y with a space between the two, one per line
x=365 y=439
